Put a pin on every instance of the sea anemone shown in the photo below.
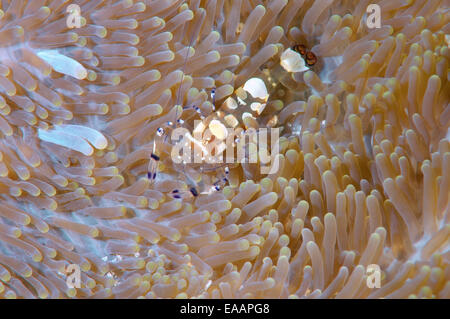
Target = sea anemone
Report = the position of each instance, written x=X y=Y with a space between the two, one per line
x=363 y=158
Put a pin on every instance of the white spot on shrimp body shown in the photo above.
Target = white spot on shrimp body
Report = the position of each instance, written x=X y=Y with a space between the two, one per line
x=292 y=61
x=218 y=129
x=257 y=88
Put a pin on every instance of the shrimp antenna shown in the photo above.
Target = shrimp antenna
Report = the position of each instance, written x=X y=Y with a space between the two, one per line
x=154 y=159
x=191 y=41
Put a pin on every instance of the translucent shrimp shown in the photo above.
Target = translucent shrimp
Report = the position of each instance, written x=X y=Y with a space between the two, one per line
x=170 y=125
x=186 y=170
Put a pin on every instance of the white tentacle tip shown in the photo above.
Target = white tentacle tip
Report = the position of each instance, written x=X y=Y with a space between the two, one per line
x=76 y=137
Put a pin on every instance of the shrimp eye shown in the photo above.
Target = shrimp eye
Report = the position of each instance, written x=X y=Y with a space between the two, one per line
x=311 y=58
x=300 y=48
x=160 y=131
x=310 y=62
x=310 y=55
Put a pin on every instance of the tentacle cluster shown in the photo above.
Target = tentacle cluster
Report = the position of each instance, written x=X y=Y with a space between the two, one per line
x=364 y=154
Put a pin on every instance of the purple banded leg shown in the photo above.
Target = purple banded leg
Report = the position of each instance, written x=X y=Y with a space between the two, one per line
x=177 y=194
x=152 y=167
